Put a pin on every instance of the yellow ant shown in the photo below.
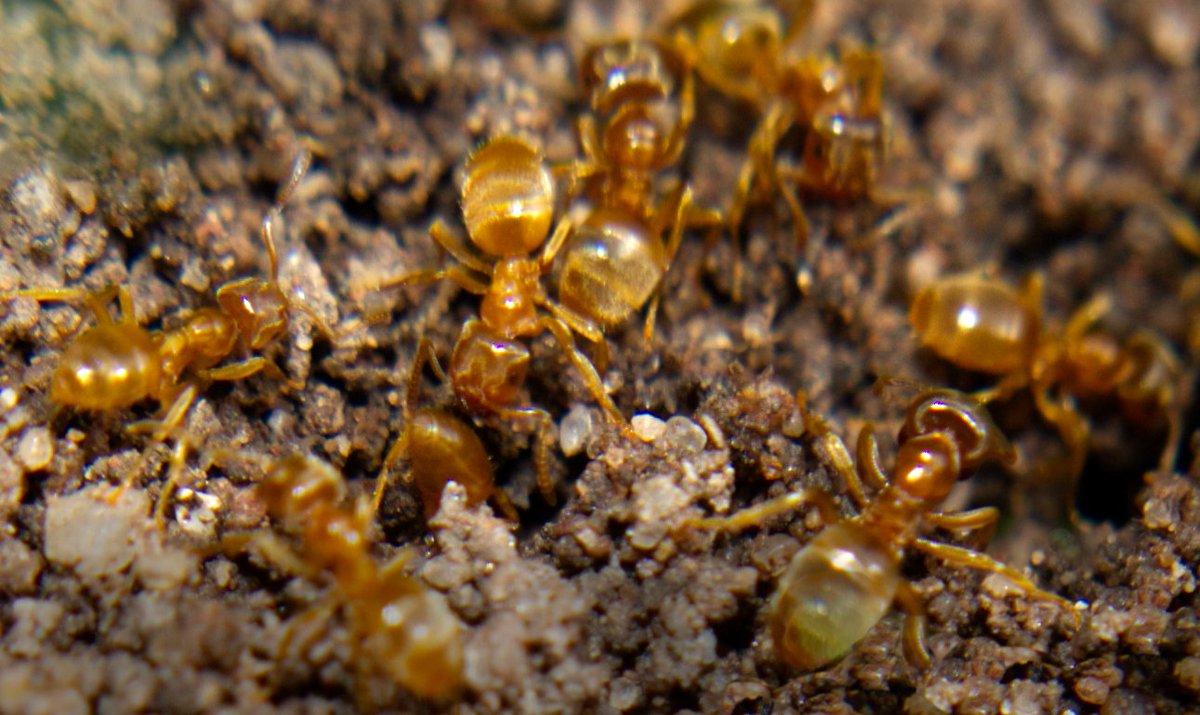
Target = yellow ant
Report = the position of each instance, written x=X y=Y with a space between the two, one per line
x=985 y=325
x=508 y=208
x=642 y=104
x=741 y=50
x=400 y=628
x=440 y=448
x=840 y=584
x=117 y=363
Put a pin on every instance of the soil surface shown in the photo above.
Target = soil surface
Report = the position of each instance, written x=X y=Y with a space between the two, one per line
x=142 y=142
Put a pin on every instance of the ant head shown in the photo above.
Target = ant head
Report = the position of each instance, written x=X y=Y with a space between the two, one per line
x=963 y=421
x=927 y=466
x=488 y=371
x=629 y=72
x=296 y=484
x=740 y=43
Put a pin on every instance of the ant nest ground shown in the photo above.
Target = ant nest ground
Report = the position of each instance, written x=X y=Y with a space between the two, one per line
x=142 y=142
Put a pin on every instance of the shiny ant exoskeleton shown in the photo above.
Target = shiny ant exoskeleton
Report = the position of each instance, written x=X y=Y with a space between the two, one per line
x=117 y=363
x=641 y=101
x=840 y=584
x=508 y=209
x=741 y=50
x=400 y=628
x=985 y=325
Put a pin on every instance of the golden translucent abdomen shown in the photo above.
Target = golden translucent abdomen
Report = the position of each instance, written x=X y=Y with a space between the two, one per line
x=833 y=591
x=107 y=367
x=977 y=324
x=508 y=197
x=611 y=267
x=442 y=448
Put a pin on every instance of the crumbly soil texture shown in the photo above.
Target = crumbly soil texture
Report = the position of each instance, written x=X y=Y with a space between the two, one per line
x=142 y=142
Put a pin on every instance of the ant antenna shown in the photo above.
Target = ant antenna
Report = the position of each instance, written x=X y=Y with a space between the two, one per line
x=299 y=168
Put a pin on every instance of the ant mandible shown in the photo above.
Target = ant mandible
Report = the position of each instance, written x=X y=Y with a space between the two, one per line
x=117 y=363
x=508 y=207
x=642 y=104
x=400 y=627
x=840 y=584
x=740 y=49
x=985 y=325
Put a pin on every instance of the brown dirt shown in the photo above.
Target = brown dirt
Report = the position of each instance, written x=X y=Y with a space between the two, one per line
x=141 y=142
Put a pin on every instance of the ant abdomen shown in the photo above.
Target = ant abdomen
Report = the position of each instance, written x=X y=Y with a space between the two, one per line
x=831 y=594
x=442 y=448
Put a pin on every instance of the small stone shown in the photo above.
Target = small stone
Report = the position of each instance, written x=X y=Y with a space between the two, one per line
x=1093 y=691
x=35 y=450
x=683 y=435
x=575 y=429
x=8 y=398
x=647 y=426
x=96 y=539
x=1187 y=673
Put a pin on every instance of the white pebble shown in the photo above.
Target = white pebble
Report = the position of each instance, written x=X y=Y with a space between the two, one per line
x=683 y=435
x=647 y=426
x=35 y=450
x=574 y=430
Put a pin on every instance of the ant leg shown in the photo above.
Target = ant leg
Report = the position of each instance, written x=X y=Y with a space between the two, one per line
x=832 y=450
x=589 y=141
x=584 y=326
x=270 y=549
x=242 y=369
x=398 y=451
x=759 y=513
x=456 y=274
x=444 y=238
x=800 y=225
x=557 y=240
x=425 y=355
x=541 y=453
x=981 y=521
x=968 y=558
x=1085 y=316
x=585 y=367
x=915 y=648
x=737 y=211
x=162 y=428
x=683 y=206
x=501 y=501
x=178 y=462
x=1075 y=433
x=395 y=566
x=1001 y=390
x=96 y=301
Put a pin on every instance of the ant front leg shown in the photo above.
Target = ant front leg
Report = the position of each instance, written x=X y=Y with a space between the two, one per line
x=832 y=451
x=398 y=451
x=243 y=369
x=765 y=511
x=981 y=522
x=175 y=473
